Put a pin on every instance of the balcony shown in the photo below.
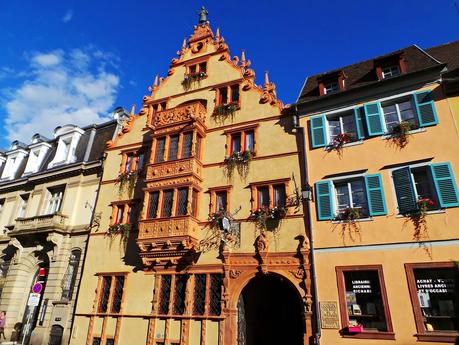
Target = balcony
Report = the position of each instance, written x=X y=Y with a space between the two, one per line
x=168 y=241
x=42 y=223
x=181 y=114
x=174 y=169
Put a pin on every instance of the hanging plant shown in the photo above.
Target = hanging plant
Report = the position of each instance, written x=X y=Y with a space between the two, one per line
x=339 y=141
x=127 y=179
x=239 y=160
x=419 y=221
x=191 y=78
x=267 y=218
x=348 y=218
x=225 y=110
x=121 y=229
x=400 y=133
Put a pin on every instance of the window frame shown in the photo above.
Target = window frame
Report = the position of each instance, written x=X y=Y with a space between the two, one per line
x=339 y=115
x=213 y=198
x=135 y=155
x=51 y=199
x=242 y=132
x=254 y=187
x=229 y=95
x=348 y=180
x=110 y=301
x=389 y=334
x=396 y=101
x=422 y=334
x=23 y=205
x=196 y=149
x=129 y=207
x=390 y=66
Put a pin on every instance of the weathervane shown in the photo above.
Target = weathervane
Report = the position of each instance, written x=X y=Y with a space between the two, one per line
x=203 y=15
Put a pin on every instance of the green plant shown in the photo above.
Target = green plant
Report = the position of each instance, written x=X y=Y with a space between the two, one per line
x=225 y=110
x=191 y=78
x=348 y=218
x=400 y=133
x=122 y=229
x=267 y=218
x=418 y=218
x=127 y=179
x=239 y=160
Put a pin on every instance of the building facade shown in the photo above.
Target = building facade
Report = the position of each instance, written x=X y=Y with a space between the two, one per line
x=48 y=190
x=382 y=153
x=201 y=236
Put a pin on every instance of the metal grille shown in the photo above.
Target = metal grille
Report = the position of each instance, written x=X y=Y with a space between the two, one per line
x=187 y=141
x=167 y=203
x=103 y=302
x=165 y=294
x=182 y=201
x=96 y=341
x=198 y=147
x=110 y=341
x=173 y=147
x=153 y=207
x=159 y=155
x=180 y=293
x=215 y=294
x=199 y=294
x=118 y=294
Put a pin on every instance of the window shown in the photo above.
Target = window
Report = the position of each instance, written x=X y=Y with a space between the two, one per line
x=433 y=182
x=96 y=341
x=343 y=123
x=123 y=213
x=173 y=147
x=160 y=146
x=241 y=141
x=351 y=194
x=174 y=303
x=398 y=111
x=221 y=200
x=228 y=94
x=390 y=71
x=179 y=147
x=172 y=203
x=199 y=69
x=363 y=300
x=269 y=195
x=348 y=197
x=187 y=145
x=23 y=201
x=2 y=205
x=434 y=291
x=133 y=161
x=110 y=293
x=68 y=282
x=331 y=87
x=55 y=200
x=110 y=341
x=4 y=268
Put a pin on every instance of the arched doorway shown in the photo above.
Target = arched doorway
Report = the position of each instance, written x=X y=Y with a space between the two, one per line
x=270 y=313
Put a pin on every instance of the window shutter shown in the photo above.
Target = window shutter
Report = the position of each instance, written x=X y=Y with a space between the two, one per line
x=445 y=184
x=373 y=118
x=375 y=195
x=359 y=123
x=324 y=200
x=318 y=135
x=404 y=189
x=425 y=108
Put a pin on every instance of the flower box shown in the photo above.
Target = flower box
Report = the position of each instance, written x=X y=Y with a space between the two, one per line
x=354 y=329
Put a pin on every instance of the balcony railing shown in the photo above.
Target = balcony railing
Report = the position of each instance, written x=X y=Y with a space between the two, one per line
x=183 y=113
x=40 y=223
x=176 y=168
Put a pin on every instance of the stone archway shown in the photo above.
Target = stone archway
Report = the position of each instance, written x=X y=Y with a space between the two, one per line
x=269 y=312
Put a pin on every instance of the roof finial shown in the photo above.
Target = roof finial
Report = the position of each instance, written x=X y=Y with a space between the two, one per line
x=266 y=78
x=133 y=109
x=243 y=56
x=203 y=15
x=184 y=43
x=155 y=83
x=217 y=34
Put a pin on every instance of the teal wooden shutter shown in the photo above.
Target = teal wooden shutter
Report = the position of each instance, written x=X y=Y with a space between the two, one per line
x=445 y=184
x=324 y=200
x=318 y=131
x=359 y=123
x=373 y=118
x=375 y=195
x=404 y=189
x=425 y=108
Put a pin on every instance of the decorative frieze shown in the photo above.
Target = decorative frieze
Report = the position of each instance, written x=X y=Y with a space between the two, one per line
x=184 y=113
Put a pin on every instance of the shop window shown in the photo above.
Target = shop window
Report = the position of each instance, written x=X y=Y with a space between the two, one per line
x=200 y=299
x=111 y=293
x=363 y=301
x=434 y=290
x=55 y=200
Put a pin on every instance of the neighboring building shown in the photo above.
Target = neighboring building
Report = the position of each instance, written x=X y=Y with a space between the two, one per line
x=48 y=190
x=201 y=236
x=382 y=153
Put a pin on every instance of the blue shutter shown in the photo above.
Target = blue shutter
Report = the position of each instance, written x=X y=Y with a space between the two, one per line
x=425 y=108
x=324 y=200
x=359 y=123
x=373 y=118
x=404 y=189
x=318 y=133
x=375 y=195
x=445 y=184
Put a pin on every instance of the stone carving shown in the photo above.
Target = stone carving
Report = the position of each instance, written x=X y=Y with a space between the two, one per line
x=194 y=111
x=262 y=243
x=234 y=273
x=298 y=273
x=173 y=168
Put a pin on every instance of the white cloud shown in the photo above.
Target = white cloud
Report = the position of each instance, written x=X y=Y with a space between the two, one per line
x=67 y=16
x=60 y=87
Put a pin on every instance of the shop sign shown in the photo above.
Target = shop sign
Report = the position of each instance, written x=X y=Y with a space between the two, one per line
x=435 y=285
x=329 y=314
x=361 y=286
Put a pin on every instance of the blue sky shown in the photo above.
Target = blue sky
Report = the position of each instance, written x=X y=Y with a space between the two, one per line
x=74 y=61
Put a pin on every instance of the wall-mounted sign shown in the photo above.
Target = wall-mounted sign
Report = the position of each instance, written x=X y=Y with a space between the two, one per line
x=34 y=299
x=329 y=314
x=435 y=285
x=37 y=287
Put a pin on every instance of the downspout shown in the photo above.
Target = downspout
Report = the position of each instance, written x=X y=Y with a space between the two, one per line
x=307 y=208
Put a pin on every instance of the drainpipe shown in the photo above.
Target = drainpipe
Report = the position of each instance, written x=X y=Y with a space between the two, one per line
x=307 y=208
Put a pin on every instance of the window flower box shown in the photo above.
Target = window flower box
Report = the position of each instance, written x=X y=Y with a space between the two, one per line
x=354 y=329
x=239 y=160
x=339 y=141
x=226 y=109
x=264 y=217
x=192 y=78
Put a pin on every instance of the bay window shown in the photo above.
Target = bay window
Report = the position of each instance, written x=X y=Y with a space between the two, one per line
x=171 y=203
x=177 y=146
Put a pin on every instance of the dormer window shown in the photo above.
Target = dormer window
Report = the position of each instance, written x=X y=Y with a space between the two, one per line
x=68 y=138
x=331 y=88
x=38 y=151
x=14 y=160
x=331 y=83
x=390 y=71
